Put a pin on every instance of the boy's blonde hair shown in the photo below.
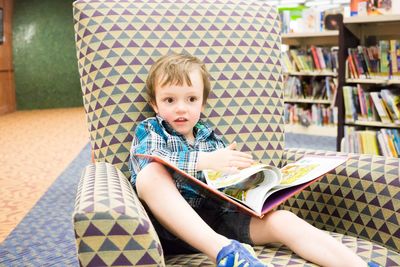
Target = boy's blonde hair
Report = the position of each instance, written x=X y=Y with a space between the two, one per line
x=175 y=69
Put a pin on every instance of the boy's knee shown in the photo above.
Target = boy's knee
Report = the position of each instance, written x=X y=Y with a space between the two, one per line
x=147 y=179
x=279 y=218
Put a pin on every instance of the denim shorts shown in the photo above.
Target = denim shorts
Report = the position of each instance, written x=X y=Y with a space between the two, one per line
x=229 y=223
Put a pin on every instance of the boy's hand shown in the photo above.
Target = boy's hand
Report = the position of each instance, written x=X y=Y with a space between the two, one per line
x=227 y=160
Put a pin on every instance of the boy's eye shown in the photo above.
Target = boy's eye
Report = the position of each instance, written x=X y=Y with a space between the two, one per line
x=169 y=100
x=192 y=99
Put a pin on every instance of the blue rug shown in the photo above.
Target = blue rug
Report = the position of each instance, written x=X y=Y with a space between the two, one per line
x=310 y=142
x=45 y=236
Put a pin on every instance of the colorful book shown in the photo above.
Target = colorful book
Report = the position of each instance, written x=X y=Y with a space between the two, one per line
x=260 y=188
x=394 y=59
x=380 y=107
x=384 y=58
x=392 y=102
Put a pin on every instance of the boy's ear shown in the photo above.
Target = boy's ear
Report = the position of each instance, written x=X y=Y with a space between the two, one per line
x=154 y=106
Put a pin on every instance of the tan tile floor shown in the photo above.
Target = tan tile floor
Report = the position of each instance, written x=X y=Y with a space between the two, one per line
x=35 y=147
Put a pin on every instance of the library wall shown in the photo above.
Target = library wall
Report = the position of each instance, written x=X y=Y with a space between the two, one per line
x=45 y=67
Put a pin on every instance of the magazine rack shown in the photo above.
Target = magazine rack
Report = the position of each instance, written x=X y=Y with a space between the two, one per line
x=117 y=41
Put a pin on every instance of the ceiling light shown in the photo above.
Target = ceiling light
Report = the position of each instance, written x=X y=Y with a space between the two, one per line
x=317 y=3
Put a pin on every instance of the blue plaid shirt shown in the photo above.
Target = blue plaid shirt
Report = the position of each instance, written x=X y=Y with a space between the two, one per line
x=154 y=136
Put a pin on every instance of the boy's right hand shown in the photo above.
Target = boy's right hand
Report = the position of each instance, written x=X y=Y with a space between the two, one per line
x=227 y=160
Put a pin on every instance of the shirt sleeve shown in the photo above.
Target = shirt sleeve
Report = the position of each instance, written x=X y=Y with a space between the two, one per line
x=149 y=139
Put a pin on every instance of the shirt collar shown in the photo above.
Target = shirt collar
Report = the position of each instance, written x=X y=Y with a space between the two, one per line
x=201 y=129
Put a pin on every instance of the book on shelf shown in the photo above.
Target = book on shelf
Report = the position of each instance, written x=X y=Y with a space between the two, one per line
x=381 y=61
x=260 y=188
x=391 y=99
x=384 y=59
x=316 y=114
x=382 y=106
x=313 y=88
x=287 y=65
x=318 y=59
x=385 y=142
x=395 y=59
x=362 y=103
x=349 y=106
x=315 y=57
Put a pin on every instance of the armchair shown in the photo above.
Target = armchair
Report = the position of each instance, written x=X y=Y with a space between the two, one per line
x=118 y=40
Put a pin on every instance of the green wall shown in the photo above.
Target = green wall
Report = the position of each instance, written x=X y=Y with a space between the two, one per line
x=45 y=66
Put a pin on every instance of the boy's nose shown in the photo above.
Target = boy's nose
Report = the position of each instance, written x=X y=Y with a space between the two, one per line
x=181 y=107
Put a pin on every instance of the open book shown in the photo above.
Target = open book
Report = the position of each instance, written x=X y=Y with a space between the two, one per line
x=260 y=188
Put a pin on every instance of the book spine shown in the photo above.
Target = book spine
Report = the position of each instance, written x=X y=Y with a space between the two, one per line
x=384 y=62
x=315 y=57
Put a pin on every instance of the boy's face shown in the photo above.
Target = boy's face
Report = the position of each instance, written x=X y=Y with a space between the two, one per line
x=181 y=106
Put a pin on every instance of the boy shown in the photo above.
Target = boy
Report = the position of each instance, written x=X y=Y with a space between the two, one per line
x=185 y=220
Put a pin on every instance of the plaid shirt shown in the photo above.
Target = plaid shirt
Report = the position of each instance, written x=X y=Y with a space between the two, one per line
x=154 y=136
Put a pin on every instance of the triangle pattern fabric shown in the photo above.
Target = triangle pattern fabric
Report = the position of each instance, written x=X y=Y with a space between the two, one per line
x=104 y=229
x=354 y=201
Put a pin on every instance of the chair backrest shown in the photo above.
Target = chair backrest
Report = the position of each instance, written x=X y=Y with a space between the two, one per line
x=118 y=40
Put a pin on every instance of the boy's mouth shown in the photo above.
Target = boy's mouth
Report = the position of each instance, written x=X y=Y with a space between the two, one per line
x=181 y=119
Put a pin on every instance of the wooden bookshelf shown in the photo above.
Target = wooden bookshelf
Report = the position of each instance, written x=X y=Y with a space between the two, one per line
x=383 y=25
x=374 y=81
x=314 y=73
x=377 y=124
x=309 y=101
x=372 y=19
x=310 y=38
x=304 y=40
x=365 y=31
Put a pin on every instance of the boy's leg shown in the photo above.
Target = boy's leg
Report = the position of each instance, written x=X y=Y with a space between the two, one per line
x=157 y=189
x=302 y=238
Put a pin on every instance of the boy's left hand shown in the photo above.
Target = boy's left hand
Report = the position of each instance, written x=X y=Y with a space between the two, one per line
x=227 y=160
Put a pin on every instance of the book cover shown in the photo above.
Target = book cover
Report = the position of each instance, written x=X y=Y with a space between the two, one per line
x=380 y=108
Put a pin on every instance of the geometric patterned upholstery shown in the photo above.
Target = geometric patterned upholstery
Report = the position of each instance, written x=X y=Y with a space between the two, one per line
x=359 y=198
x=111 y=226
x=239 y=41
x=118 y=40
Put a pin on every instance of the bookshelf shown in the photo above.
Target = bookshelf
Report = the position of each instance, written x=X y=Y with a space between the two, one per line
x=366 y=69
x=297 y=105
x=310 y=38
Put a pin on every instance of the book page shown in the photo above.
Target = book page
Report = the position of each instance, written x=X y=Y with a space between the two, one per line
x=251 y=191
x=218 y=179
x=307 y=169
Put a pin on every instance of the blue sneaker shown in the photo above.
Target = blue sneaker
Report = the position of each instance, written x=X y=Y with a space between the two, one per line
x=373 y=264
x=238 y=255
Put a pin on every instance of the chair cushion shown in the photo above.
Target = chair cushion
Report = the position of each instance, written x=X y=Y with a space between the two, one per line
x=239 y=41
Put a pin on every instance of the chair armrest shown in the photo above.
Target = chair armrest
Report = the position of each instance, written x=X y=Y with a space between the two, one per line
x=111 y=226
x=360 y=197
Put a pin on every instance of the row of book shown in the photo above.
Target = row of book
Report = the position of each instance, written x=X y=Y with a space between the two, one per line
x=314 y=87
x=385 y=142
x=382 y=106
x=374 y=62
x=315 y=115
x=319 y=59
